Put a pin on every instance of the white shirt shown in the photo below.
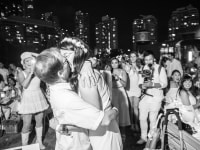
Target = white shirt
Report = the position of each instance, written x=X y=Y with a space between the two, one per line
x=69 y=108
x=174 y=65
x=157 y=78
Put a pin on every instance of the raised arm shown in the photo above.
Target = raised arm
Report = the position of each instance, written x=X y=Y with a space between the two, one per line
x=24 y=82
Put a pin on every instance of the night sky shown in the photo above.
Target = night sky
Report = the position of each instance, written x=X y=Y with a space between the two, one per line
x=122 y=10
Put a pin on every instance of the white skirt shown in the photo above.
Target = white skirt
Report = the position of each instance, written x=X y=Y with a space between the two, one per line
x=32 y=101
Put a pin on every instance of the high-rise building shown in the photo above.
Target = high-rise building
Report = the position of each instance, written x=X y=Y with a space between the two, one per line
x=147 y=25
x=23 y=8
x=31 y=34
x=28 y=8
x=82 y=26
x=11 y=8
x=183 y=23
x=18 y=26
x=106 y=33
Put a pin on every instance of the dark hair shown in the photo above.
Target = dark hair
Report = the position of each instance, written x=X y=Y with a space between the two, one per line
x=186 y=77
x=114 y=58
x=174 y=71
x=172 y=54
x=48 y=63
x=148 y=52
x=163 y=61
x=81 y=54
x=139 y=62
x=12 y=77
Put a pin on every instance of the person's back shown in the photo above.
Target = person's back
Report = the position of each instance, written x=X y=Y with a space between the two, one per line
x=100 y=138
x=79 y=139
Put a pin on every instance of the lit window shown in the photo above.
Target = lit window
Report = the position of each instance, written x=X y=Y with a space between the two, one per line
x=30 y=6
x=2 y=14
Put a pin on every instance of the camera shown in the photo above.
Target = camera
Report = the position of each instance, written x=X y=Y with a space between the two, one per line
x=147 y=74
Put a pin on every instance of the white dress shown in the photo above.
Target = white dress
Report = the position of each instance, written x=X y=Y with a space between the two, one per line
x=106 y=138
x=120 y=101
x=133 y=86
x=33 y=99
x=171 y=95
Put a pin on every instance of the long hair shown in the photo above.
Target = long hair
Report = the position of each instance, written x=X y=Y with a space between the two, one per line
x=114 y=58
x=47 y=65
x=186 y=77
x=81 y=54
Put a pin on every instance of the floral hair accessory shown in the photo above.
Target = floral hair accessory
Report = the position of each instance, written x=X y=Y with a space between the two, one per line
x=76 y=43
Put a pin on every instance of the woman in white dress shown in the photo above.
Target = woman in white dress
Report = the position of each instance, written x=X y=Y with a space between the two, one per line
x=172 y=93
x=188 y=105
x=33 y=101
x=119 y=96
x=133 y=90
x=69 y=108
x=174 y=83
x=98 y=94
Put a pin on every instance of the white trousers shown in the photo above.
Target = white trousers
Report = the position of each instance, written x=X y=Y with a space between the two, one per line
x=148 y=107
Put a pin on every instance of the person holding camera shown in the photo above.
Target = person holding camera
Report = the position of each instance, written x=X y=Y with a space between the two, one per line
x=152 y=80
x=33 y=101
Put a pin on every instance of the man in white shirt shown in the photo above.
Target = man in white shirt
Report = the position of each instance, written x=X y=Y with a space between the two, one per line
x=173 y=64
x=69 y=108
x=152 y=95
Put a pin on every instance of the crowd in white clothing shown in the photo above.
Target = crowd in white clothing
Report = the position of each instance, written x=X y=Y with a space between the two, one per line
x=93 y=107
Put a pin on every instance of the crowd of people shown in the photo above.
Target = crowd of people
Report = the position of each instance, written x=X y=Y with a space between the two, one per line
x=93 y=107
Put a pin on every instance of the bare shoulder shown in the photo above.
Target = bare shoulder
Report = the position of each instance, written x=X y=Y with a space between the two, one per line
x=183 y=93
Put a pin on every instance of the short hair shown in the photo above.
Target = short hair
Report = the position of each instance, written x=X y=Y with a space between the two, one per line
x=148 y=52
x=172 y=54
x=48 y=63
x=174 y=71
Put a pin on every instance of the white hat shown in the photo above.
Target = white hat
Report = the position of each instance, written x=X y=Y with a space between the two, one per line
x=25 y=55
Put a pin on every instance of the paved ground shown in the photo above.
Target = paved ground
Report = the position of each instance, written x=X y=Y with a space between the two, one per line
x=14 y=140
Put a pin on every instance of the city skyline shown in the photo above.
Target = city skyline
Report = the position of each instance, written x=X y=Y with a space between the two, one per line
x=124 y=12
